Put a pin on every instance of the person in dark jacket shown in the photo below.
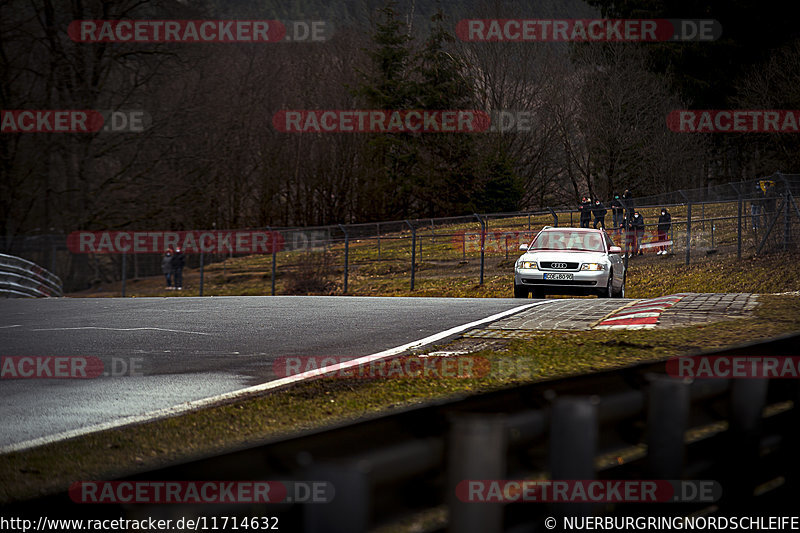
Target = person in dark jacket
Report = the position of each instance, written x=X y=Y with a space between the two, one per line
x=166 y=268
x=664 y=224
x=586 y=212
x=599 y=211
x=178 y=262
x=756 y=205
x=770 y=199
x=617 y=212
x=637 y=224
x=627 y=200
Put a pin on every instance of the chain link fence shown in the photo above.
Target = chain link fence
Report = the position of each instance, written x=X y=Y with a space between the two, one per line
x=745 y=218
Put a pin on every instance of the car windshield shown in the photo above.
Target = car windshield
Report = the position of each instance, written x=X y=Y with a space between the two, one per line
x=577 y=241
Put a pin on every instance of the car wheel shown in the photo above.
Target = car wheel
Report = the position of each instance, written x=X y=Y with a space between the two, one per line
x=621 y=292
x=608 y=292
x=520 y=292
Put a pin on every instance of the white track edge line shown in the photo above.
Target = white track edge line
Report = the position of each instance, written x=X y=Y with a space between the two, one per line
x=256 y=389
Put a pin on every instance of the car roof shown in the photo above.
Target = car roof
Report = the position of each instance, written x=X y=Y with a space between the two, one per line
x=584 y=230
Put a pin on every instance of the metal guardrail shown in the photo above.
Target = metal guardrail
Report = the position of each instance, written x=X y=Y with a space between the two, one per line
x=20 y=278
x=625 y=424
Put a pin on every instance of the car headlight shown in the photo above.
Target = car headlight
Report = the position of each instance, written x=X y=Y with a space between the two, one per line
x=527 y=264
x=593 y=266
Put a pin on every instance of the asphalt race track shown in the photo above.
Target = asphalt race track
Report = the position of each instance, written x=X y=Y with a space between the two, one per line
x=162 y=352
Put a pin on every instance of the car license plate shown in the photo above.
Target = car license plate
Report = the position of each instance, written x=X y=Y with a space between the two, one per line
x=559 y=277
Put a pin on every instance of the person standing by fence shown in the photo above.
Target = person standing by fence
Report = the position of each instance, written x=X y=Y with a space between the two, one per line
x=755 y=206
x=599 y=211
x=178 y=262
x=638 y=233
x=586 y=212
x=627 y=200
x=617 y=212
x=166 y=268
x=664 y=224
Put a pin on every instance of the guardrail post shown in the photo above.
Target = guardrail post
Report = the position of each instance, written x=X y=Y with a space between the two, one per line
x=476 y=451
x=349 y=510
x=555 y=216
x=573 y=444
x=346 y=256
x=483 y=242
x=124 y=272
x=379 y=240
x=667 y=420
x=413 y=251
x=748 y=398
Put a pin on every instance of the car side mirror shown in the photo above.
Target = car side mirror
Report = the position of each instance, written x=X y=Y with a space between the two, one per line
x=615 y=250
x=523 y=247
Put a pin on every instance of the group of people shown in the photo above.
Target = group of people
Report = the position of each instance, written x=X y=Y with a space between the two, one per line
x=626 y=219
x=172 y=266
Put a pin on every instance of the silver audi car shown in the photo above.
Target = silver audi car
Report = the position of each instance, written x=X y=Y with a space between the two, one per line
x=570 y=261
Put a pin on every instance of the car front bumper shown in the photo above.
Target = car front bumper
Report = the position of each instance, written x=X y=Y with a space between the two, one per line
x=581 y=279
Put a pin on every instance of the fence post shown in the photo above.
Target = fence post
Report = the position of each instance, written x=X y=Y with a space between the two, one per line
x=688 y=227
x=787 y=222
x=739 y=228
x=413 y=251
x=555 y=216
x=483 y=241
x=713 y=226
x=379 y=241
x=202 y=269
x=346 y=256
x=124 y=271
x=53 y=252
x=703 y=217
x=274 y=256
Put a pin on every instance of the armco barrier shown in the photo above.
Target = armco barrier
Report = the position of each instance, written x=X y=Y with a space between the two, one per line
x=635 y=423
x=20 y=278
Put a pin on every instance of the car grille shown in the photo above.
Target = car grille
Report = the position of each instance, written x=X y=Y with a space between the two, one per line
x=549 y=265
